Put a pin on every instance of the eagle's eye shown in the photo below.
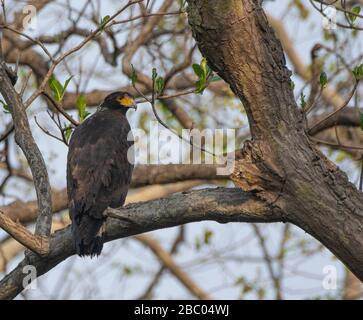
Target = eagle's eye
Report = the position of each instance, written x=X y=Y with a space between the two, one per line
x=126 y=101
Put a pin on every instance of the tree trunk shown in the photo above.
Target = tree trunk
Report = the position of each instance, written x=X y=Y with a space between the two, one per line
x=280 y=165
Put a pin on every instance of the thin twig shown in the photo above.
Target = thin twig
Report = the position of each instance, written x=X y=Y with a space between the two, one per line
x=60 y=109
x=338 y=109
x=36 y=41
x=8 y=131
x=25 y=83
x=46 y=131
x=336 y=145
x=152 y=102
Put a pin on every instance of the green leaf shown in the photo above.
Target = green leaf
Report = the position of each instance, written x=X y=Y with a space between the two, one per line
x=182 y=4
x=292 y=85
x=247 y=288
x=341 y=156
x=104 y=20
x=160 y=84
x=127 y=270
x=5 y=107
x=67 y=133
x=207 y=236
x=204 y=74
x=301 y=8
x=240 y=280
x=81 y=107
x=204 y=65
x=66 y=85
x=56 y=88
x=261 y=293
x=323 y=80
x=154 y=74
x=198 y=70
x=361 y=119
x=133 y=75
x=282 y=254
x=356 y=10
x=200 y=86
x=358 y=72
x=302 y=100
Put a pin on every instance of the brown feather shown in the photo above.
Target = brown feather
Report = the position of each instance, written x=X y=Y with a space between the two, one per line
x=98 y=175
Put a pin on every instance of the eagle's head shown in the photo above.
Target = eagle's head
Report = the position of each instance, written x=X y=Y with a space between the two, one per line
x=119 y=100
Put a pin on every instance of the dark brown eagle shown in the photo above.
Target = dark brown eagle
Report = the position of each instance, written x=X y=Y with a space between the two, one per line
x=98 y=170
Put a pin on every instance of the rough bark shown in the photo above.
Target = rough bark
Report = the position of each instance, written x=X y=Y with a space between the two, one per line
x=25 y=140
x=280 y=165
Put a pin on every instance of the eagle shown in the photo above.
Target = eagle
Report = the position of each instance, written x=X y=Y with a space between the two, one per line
x=98 y=170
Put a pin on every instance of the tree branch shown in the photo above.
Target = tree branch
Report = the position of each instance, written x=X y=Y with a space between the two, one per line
x=25 y=140
x=38 y=244
x=347 y=117
x=221 y=204
x=281 y=164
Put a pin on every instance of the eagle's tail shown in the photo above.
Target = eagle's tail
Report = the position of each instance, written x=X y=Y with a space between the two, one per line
x=88 y=236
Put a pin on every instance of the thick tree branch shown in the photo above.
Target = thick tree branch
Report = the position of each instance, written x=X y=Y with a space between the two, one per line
x=281 y=165
x=220 y=204
x=25 y=140
x=152 y=192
